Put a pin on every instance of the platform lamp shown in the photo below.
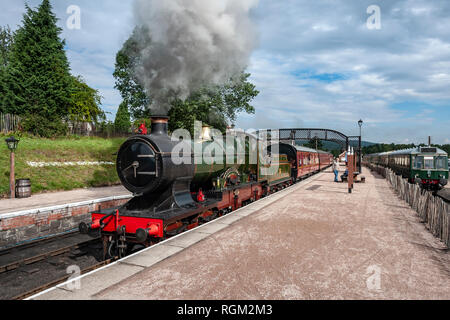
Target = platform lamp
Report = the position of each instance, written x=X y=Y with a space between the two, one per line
x=12 y=144
x=360 y=124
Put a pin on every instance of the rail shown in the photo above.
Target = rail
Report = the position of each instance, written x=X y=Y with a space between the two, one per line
x=31 y=268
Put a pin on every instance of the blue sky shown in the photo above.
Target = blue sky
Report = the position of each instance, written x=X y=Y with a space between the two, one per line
x=317 y=63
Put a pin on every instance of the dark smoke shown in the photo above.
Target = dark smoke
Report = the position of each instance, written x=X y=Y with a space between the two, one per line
x=187 y=44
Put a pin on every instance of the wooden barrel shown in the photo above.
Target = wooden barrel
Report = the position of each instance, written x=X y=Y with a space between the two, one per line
x=23 y=188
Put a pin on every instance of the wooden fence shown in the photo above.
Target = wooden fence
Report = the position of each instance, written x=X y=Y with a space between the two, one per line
x=9 y=123
x=432 y=210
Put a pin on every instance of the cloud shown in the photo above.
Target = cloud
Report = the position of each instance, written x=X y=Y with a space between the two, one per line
x=318 y=65
x=355 y=72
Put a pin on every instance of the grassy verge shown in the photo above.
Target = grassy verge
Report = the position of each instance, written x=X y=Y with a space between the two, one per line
x=61 y=150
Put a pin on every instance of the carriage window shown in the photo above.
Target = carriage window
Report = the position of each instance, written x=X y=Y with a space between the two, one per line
x=429 y=163
x=418 y=163
x=441 y=163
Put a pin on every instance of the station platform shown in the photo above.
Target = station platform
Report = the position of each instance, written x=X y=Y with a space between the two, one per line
x=59 y=198
x=48 y=214
x=311 y=241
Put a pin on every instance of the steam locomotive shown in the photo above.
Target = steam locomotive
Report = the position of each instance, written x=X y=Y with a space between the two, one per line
x=171 y=198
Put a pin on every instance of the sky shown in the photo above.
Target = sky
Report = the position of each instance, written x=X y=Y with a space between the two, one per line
x=317 y=65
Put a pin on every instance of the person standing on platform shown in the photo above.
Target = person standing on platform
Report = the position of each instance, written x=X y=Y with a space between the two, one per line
x=335 y=170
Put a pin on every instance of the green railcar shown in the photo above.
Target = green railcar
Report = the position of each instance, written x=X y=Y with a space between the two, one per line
x=427 y=166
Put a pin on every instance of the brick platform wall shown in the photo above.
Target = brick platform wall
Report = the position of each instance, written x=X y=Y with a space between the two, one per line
x=28 y=225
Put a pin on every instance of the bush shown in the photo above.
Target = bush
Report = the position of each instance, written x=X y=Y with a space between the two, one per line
x=43 y=127
x=138 y=122
x=122 y=122
x=107 y=127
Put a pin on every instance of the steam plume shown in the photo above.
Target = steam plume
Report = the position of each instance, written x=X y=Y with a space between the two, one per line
x=186 y=44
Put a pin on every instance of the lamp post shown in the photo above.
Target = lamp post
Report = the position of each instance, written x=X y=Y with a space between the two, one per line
x=12 y=146
x=360 y=124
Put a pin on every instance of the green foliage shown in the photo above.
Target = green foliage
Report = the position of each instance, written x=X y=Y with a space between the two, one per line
x=214 y=105
x=42 y=127
x=379 y=148
x=6 y=41
x=147 y=121
x=131 y=91
x=85 y=105
x=335 y=153
x=107 y=127
x=122 y=122
x=37 y=80
x=312 y=144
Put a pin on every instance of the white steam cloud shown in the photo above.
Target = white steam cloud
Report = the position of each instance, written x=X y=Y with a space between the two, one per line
x=186 y=44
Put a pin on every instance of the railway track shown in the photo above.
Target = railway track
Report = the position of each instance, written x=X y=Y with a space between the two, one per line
x=36 y=266
x=42 y=256
x=31 y=268
x=49 y=285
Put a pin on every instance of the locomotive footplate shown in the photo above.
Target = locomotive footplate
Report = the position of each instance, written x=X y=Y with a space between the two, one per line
x=167 y=216
x=155 y=223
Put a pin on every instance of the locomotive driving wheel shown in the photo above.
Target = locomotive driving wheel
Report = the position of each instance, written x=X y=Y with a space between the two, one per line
x=231 y=177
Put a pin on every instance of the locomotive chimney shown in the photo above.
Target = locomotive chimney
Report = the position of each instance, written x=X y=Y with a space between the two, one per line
x=160 y=125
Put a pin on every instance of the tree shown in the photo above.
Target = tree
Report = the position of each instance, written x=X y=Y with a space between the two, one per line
x=315 y=143
x=85 y=104
x=37 y=81
x=446 y=148
x=122 y=122
x=379 y=148
x=217 y=106
x=6 y=41
x=133 y=94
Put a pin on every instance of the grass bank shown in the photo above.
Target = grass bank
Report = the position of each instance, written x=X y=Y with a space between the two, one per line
x=53 y=178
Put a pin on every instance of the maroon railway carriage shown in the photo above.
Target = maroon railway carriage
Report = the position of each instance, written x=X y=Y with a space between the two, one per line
x=305 y=161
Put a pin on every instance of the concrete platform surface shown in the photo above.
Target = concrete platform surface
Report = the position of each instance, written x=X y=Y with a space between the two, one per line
x=59 y=198
x=321 y=243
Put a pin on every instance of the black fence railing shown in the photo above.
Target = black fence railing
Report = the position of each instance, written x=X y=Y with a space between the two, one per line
x=11 y=123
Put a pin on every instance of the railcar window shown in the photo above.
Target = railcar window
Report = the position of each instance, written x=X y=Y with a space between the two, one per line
x=418 y=162
x=429 y=163
x=441 y=163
